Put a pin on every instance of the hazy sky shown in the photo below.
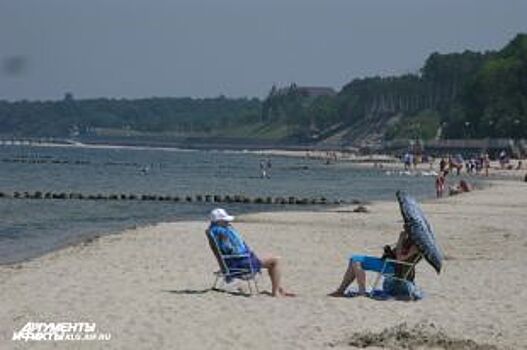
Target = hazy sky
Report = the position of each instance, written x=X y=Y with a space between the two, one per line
x=206 y=48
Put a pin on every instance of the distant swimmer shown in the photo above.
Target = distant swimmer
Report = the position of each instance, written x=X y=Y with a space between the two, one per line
x=265 y=168
x=263 y=172
x=145 y=170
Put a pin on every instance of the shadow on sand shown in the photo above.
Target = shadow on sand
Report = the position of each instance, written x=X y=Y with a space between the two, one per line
x=213 y=290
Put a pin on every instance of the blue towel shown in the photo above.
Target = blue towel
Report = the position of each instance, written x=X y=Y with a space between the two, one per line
x=393 y=289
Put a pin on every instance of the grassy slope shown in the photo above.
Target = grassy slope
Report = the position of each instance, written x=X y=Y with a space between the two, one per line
x=258 y=131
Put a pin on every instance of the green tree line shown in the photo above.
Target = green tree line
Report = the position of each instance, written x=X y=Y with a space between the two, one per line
x=154 y=115
x=455 y=95
x=467 y=95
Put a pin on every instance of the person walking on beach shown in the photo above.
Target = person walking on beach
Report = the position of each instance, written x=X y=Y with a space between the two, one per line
x=230 y=242
x=503 y=158
x=486 y=163
x=407 y=160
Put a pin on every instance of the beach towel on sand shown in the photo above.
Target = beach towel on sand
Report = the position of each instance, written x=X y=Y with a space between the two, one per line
x=393 y=289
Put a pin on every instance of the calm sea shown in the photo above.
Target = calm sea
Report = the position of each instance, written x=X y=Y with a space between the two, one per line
x=31 y=227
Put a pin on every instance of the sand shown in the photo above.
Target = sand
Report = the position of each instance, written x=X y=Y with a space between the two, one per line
x=149 y=287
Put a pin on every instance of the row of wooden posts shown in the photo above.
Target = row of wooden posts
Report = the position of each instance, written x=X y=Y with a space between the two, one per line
x=62 y=161
x=208 y=198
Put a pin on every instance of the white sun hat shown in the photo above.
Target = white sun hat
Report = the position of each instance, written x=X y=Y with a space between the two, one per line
x=220 y=214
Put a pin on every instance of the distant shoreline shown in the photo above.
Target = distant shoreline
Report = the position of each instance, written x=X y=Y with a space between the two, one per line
x=167 y=144
x=381 y=160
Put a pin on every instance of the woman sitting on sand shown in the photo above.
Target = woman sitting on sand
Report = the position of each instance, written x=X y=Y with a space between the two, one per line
x=231 y=243
x=405 y=250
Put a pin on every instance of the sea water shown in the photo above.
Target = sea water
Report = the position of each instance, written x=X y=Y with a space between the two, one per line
x=31 y=227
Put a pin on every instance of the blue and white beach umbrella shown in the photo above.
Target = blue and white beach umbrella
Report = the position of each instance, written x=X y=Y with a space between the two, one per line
x=421 y=232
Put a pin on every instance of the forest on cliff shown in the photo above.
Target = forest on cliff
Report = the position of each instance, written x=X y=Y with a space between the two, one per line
x=454 y=95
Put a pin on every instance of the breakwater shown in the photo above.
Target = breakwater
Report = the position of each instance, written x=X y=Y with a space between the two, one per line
x=205 y=198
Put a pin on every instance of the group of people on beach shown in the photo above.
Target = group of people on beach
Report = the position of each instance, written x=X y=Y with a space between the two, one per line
x=441 y=179
x=441 y=185
x=230 y=242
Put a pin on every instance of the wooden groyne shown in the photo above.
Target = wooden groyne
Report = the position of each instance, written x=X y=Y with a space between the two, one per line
x=57 y=161
x=197 y=198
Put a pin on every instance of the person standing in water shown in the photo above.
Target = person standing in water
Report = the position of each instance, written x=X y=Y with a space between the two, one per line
x=263 y=172
x=441 y=183
x=265 y=168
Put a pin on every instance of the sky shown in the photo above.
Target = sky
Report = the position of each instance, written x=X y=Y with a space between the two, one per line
x=235 y=48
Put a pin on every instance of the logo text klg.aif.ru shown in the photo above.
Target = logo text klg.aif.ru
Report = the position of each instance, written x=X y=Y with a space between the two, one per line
x=60 y=331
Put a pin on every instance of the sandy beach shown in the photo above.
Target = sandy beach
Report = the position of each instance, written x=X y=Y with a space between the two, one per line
x=149 y=288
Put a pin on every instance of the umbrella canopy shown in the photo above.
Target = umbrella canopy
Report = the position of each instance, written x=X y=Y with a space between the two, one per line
x=421 y=232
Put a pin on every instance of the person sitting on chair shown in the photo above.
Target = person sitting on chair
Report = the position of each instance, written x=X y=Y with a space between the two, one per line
x=230 y=242
x=405 y=250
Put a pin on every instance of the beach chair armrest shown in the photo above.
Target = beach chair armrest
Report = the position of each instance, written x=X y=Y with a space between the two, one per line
x=236 y=256
x=399 y=262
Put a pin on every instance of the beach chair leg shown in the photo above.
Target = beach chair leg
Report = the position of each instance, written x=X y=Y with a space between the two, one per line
x=256 y=286
x=215 y=282
x=376 y=282
x=250 y=287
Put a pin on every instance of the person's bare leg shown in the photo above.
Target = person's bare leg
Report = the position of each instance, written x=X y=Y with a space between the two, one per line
x=361 y=276
x=347 y=279
x=272 y=264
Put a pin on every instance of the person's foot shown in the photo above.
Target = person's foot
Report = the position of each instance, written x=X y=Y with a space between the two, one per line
x=337 y=294
x=287 y=294
x=363 y=293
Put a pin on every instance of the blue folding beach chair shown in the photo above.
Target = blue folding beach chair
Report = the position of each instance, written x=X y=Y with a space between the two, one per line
x=400 y=280
x=226 y=273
